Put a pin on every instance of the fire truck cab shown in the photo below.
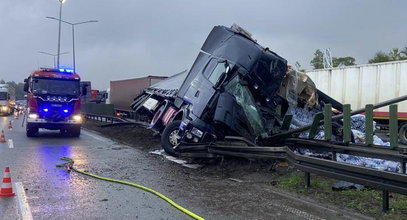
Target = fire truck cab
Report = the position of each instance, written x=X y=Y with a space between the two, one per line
x=53 y=99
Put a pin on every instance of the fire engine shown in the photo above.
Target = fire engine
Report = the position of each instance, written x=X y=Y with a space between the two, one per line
x=53 y=99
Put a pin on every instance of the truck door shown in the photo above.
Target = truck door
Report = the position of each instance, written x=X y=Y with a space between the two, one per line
x=202 y=88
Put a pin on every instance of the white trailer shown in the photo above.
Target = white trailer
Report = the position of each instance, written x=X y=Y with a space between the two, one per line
x=367 y=84
x=7 y=99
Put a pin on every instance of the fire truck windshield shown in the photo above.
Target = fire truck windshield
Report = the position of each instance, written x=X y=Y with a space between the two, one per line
x=55 y=87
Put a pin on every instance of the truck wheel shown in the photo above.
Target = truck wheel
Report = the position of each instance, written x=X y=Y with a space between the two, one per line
x=169 y=139
x=31 y=131
x=403 y=133
x=75 y=132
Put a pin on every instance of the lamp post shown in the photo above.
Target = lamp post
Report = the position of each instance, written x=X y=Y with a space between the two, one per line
x=59 y=31
x=73 y=34
x=54 y=55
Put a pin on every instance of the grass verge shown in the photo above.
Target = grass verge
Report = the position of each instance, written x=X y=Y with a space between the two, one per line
x=367 y=200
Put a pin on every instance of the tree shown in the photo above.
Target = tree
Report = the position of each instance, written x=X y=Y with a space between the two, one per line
x=346 y=61
x=2 y=81
x=404 y=52
x=395 y=54
x=317 y=62
x=380 y=57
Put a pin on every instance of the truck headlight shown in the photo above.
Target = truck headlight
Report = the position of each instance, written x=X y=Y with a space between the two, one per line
x=77 y=118
x=33 y=115
x=197 y=132
x=4 y=108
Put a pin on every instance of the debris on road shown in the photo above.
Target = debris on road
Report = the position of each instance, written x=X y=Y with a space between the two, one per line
x=235 y=180
x=175 y=159
x=343 y=185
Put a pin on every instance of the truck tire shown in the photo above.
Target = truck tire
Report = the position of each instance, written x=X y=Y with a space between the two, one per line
x=75 y=132
x=403 y=133
x=31 y=131
x=168 y=138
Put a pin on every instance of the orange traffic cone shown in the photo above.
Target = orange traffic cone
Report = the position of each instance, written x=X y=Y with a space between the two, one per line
x=2 y=137
x=6 y=187
x=10 y=126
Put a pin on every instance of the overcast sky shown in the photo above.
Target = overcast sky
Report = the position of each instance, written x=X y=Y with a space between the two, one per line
x=135 y=38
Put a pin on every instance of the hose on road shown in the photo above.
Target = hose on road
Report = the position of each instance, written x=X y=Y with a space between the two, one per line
x=69 y=166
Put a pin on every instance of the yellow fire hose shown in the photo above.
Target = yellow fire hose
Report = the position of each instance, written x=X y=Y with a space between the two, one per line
x=69 y=165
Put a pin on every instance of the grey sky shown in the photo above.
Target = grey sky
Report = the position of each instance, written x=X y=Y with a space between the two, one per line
x=135 y=38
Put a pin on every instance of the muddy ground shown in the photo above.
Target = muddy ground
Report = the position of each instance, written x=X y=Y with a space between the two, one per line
x=277 y=174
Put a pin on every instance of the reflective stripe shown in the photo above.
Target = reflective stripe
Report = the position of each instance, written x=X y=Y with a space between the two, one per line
x=6 y=175
x=5 y=186
x=168 y=115
x=7 y=180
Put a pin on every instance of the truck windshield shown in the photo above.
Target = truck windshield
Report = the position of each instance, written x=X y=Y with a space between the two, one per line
x=55 y=87
x=245 y=99
x=3 y=95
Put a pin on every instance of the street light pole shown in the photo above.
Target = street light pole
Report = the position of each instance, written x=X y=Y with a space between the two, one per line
x=59 y=31
x=54 y=55
x=73 y=35
x=73 y=47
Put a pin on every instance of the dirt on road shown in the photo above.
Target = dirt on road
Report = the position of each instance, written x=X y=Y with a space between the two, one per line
x=251 y=178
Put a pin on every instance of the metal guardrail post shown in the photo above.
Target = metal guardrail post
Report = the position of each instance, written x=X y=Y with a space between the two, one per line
x=346 y=124
x=315 y=124
x=369 y=124
x=328 y=121
x=307 y=180
x=393 y=126
x=385 y=206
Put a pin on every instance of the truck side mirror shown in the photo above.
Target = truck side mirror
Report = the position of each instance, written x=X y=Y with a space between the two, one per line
x=25 y=85
x=223 y=77
x=84 y=90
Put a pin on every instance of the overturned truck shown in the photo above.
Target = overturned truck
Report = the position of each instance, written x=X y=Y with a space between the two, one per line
x=242 y=99
x=231 y=93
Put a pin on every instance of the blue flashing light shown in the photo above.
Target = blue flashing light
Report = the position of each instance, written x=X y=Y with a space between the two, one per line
x=45 y=110
x=64 y=70
x=66 y=110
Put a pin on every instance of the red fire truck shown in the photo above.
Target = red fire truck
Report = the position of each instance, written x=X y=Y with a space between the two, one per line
x=53 y=101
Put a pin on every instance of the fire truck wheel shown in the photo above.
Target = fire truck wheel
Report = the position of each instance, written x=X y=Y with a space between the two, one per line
x=169 y=137
x=75 y=132
x=403 y=133
x=31 y=131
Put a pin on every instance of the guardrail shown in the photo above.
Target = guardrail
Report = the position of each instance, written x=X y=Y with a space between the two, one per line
x=283 y=144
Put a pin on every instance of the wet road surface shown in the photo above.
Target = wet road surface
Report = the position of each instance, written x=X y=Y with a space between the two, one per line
x=52 y=193
x=48 y=192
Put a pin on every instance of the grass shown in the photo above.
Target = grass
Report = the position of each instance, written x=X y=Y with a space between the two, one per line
x=367 y=201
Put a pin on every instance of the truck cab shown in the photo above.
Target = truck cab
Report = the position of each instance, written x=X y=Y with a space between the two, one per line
x=53 y=99
x=7 y=99
x=229 y=91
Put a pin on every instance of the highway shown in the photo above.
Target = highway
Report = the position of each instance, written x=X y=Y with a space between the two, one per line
x=47 y=192
x=53 y=193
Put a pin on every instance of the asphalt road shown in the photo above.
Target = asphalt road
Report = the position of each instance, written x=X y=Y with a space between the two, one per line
x=52 y=193
x=47 y=192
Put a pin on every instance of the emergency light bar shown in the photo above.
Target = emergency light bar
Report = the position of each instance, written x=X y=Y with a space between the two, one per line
x=62 y=70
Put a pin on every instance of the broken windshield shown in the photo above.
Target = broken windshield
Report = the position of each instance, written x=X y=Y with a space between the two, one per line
x=245 y=99
x=55 y=87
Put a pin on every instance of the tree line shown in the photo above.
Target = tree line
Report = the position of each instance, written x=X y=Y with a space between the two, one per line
x=394 y=54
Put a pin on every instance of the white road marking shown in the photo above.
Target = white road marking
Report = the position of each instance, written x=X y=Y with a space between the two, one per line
x=95 y=136
x=24 y=209
x=10 y=143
